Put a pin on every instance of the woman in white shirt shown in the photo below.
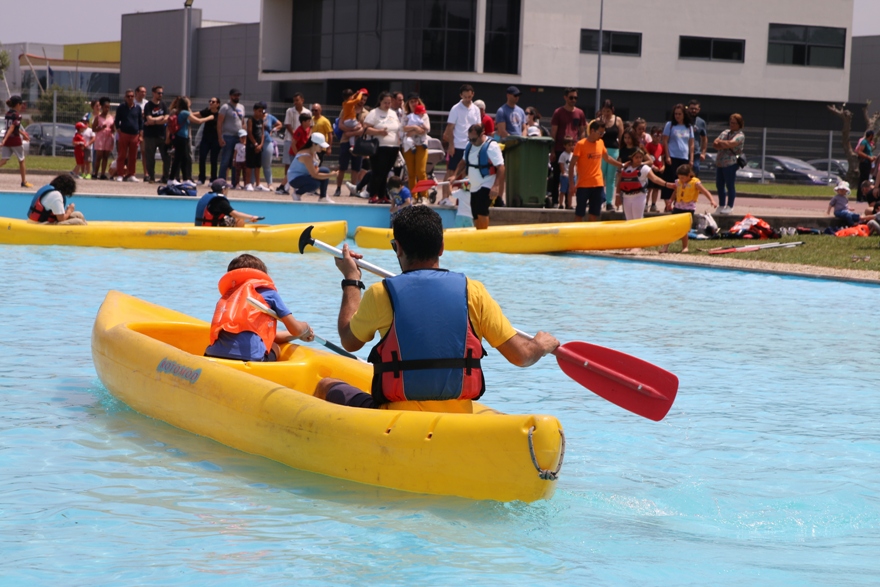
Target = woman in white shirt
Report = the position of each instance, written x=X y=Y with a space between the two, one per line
x=384 y=124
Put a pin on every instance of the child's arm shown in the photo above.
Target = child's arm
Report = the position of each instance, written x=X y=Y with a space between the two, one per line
x=295 y=328
x=706 y=193
x=828 y=211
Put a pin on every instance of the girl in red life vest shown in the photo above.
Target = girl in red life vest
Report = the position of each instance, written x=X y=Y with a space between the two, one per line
x=240 y=331
x=632 y=182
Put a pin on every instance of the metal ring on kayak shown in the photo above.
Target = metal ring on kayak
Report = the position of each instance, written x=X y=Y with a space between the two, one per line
x=546 y=474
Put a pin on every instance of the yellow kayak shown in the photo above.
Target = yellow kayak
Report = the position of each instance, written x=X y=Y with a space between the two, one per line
x=549 y=238
x=151 y=358
x=282 y=238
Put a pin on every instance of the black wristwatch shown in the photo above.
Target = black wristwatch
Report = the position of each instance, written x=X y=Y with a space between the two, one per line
x=353 y=282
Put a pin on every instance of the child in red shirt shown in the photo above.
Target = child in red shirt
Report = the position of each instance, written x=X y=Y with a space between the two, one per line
x=79 y=151
x=655 y=150
x=302 y=133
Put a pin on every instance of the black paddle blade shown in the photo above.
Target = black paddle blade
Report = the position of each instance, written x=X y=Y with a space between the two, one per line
x=306 y=239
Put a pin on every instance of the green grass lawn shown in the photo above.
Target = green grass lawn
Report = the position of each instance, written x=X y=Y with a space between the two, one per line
x=817 y=250
x=784 y=190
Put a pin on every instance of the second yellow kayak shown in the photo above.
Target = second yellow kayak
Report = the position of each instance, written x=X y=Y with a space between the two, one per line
x=549 y=238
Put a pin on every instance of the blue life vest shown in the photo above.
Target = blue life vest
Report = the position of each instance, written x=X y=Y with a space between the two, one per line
x=39 y=213
x=203 y=216
x=483 y=163
x=431 y=355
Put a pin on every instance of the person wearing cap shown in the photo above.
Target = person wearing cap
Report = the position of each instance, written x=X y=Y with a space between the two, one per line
x=239 y=161
x=256 y=142
x=416 y=126
x=291 y=123
x=214 y=209
x=488 y=123
x=510 y=117
x=229 y=122
x=305 y=174
x=839 y=204
x=182 y=161
x=79 y=150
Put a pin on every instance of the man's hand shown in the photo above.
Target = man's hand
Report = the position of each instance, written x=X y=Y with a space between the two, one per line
x=347 y=265
x=221 y=142
x=546 y=341
x=702 y=156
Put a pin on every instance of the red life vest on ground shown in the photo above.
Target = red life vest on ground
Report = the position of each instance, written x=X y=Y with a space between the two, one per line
x=433 y=355
x=857 y=230
x=234 y=314
x=630 y=183
x=37 y=211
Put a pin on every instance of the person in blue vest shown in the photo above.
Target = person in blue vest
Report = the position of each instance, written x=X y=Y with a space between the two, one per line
x=423 y=355
x=484 y=165
x=214 y=209
x=49 y=205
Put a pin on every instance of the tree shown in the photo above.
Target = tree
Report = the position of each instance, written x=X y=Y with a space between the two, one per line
x=5 y=63
x=845 y=115
x=72 y=105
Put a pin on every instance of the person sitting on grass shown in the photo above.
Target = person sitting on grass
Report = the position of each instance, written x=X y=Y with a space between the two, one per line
x=49 y=205
x=401 y=197
x=840 y=205
x=688 y=190
x=240 y=331
x=215 y=210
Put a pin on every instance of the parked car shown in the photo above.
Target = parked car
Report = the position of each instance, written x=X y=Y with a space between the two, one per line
x=24 y=144
x=41 y=138
x=793 y=170
x=751 y=172
x=838 y=166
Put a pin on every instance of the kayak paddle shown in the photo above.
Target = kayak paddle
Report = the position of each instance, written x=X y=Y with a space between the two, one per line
x=333 y=347
x=751 y=248
x=629 y=382
x=427 y=184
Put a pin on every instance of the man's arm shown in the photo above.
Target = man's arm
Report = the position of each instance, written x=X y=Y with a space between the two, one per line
x=499 y=182
x=221 y=116
x=704 y=145
x=448 y=137
x=523 y=351
x=572 y=169
x=351 y=300
x=611 y=160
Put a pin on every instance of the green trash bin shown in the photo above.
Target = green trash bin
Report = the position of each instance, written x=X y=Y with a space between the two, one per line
x=525 y=162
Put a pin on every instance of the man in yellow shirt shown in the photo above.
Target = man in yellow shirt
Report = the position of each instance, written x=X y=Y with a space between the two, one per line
x=322 y=125
x=423 y=355
x=586 y=162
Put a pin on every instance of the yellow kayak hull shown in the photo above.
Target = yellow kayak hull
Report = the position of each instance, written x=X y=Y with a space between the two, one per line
x=549 y=238
x=151 y=358
x=281 y=238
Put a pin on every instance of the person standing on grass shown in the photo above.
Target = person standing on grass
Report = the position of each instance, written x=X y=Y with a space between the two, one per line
x=632 y=183
x=586 y=161
x=229 y=121
x=611 y=139
x=15 y=136
x=271 y=126
x=291 y=123
x=730 y=146
x=155 y=119
x=567 y=121
x=321 y=124
x=209 y=143
x=678 y=146
x=462 y=116
x=130 y=129
x=103 y=125
x=865 y=153
x=701 y=139
x=256 y=141
x=182 y=151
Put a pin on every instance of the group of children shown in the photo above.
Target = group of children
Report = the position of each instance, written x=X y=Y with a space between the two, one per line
x=840 y=207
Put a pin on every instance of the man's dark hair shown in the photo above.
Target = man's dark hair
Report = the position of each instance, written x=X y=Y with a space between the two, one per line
x=299 y=95
x=465 y=88
x=246 y=261
x=595 y=124
x=418 y=230
x=103 y=100
x=694 y=102
x=156 y=89
x=64 y=184
x=138 y=89
x=477 y=128
x=567 y=91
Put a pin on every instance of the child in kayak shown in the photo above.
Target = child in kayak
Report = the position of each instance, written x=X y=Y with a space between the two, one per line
x=241 y=332
x=688 y=189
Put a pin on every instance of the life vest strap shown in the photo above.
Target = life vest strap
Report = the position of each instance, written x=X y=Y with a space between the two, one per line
x=469 y=363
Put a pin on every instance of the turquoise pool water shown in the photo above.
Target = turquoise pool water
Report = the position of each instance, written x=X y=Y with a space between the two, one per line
x=765 y=472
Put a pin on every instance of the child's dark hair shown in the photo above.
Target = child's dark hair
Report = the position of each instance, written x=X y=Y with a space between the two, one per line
x=568 y=141
x=394 y=182
x=305 y=116
x=14 y=101
x=246 y=261
x=687 y=170
x=64 y=184
x=103 y=100
x=347 y=93
x=595 y=124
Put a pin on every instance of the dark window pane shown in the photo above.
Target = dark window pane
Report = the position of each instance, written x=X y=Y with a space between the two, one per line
x=345 y=51
x=413 y=53
x=303 y=18
x=393 y=50
x=826 y=56
x=460 y=14
x=822 y=35
x=694 y=48
x=346 y=20
x=368 y=51
x=728 y=50
x=459 y=56
x=326 y=61
x=435 y=14
x=626 y=43
x=415 y=14
x=785 y=32
x=433 y=49
x=326 y=17
x=368 y=15
x=787 y=54
x=589 y=41
x=302 y=55
x=393 y=15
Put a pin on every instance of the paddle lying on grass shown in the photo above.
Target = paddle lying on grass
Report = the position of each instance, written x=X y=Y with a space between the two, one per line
x=629 y=382
x=333 y=347
x=750 y=248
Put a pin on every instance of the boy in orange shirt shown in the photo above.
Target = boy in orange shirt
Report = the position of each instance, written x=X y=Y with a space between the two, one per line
x=586 y=164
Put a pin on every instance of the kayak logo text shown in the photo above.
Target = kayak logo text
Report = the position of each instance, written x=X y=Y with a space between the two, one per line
x=168 y=366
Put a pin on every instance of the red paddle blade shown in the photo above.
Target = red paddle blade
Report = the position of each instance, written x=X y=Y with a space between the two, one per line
x=624 y=380
x=423 y=185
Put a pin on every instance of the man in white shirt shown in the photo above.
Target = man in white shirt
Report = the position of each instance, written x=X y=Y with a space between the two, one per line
x=462 y=116
x=484 y=164
x=291 y=123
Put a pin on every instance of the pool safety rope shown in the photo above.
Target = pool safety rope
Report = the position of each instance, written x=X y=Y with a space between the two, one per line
x=546 y=474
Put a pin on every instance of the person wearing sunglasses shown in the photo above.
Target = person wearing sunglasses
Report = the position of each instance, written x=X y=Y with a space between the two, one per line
x=130 y=128
x=568 y=121
x=423 y=355
x=484 y=165
x=209 y=145
x=155 y=119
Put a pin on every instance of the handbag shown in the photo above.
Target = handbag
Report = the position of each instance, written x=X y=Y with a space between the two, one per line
x=365 y=146
x=741 y=161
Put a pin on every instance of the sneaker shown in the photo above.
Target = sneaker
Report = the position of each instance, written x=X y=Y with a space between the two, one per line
x=87 y=176
x=26 y=184
x=150 y=179
x=326 y=199
x=365 y=195
x=239 y=187
x=725 y=210
x=262 y=188
x=337 y=193
x=373 y=200
x=653 y=207
x=296 y=197
x=282 y=190
x=609 y=208
x=103 y=177
x=352 y=189
x=132 y=179
x=249 y=188
x=117 y=178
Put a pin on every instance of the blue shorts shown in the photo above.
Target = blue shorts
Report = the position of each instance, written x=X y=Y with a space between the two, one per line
x=563 y=185
x=456 y=158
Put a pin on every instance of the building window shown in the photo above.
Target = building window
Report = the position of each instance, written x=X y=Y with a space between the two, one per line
x=383 y=34
x=816 y=46
x=712 y=49
x=502 y=36
x=613 y=42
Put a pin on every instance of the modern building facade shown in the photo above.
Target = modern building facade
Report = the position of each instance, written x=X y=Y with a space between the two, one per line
x=777 y=63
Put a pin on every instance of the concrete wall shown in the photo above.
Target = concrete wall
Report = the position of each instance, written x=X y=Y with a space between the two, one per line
x=152 y=49
x=15 y=72
x=227 y=57
x=864 y=83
